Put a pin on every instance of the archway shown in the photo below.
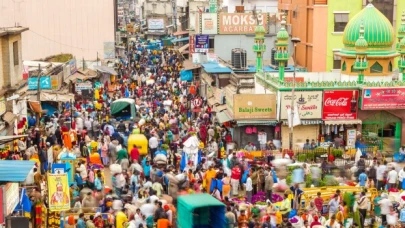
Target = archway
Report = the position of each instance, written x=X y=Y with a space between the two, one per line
x=383 y=129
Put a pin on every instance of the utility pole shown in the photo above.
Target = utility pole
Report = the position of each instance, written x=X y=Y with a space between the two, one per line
x=295 y=41
x=174 y=15
x=39 y=92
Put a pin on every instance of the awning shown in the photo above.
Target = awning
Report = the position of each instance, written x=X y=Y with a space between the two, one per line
x=9 y=117
x=56 y=97
x=179 y=33
x=257 y=122
x=211 y=101
x=105 y=69
x=14 y=170
x=219 y=108
x=223 y=117
x=339 y=122
x=183 y=48
x=180 y=40
x=77 y=75
x=35 y=106
x=189 y=65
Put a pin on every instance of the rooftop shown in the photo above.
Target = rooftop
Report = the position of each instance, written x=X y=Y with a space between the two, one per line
x=12 y=30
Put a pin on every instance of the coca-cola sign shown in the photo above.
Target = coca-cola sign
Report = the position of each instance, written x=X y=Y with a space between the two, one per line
x=340 y=104
x=309 y=104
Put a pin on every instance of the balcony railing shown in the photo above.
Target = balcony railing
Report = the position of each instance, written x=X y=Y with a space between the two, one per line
x=279 y=56
x=259 y=47
x=360 y=65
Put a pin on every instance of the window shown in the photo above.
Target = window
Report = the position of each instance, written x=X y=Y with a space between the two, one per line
x=344 y=66
x=15 y=53
x=386 y=7
x=376 y=68
x=337 y=61
x=294 y=14
x=341 y=20
x=390 y=67
x=211 y=42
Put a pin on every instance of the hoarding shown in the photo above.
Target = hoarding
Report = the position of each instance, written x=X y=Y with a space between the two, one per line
x=340 y=104
x=201 y=43
x=156 y=24
x=309 y=103
x=254 y=106
x=44 y=81
x=191 y=42
x=383 y=98
x=58 y=192
x=241 y=23
x=12 y=197
x=209 y=23
x=83 y=86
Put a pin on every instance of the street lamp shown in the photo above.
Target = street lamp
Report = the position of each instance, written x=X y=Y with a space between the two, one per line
x=295 y=41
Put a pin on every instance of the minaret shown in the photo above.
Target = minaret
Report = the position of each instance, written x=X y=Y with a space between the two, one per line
x=401 y=47
x=401 y=30
x=259 y=47
x=282 y=54
x=361 y=62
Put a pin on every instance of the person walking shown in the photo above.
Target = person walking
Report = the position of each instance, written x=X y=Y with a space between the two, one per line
x=249 y=188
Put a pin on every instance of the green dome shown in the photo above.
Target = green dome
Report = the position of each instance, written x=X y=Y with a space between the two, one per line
x=402 y=44
x=379 y=32
x=401 y=30
x=260 y=29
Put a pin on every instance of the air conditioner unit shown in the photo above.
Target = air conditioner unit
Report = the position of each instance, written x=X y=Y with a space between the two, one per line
x=239 y=58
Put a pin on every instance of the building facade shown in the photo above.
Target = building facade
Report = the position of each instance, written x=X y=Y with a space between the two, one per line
x=318 y=53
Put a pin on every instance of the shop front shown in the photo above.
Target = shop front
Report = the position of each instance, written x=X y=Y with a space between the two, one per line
x=309 y=105
x=382 y=114
x=340 y=117
x=255 y=117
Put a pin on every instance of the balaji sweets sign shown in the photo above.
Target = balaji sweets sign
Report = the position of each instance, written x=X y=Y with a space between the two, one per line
x=254 y=106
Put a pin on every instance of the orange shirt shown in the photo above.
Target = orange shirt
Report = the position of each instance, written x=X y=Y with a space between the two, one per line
x=163 y=223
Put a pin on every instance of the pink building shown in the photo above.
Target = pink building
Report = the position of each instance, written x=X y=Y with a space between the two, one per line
x=77 y=27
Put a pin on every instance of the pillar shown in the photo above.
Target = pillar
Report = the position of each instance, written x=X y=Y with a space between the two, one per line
x=281 y=71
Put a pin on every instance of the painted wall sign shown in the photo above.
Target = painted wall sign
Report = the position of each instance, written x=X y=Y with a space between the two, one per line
x=309 y=103
x=254 y=106
x=209 y=23
x=340 y=104
x=44 y=81
x=241 y=23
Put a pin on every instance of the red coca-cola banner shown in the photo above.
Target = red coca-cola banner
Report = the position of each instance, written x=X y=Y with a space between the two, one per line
x=340 y=104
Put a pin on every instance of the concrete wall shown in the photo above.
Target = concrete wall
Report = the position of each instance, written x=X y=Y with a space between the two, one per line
x=194 y=12
x=269 y=6
x=225 y=43
x=76 y=26
x=319 y=44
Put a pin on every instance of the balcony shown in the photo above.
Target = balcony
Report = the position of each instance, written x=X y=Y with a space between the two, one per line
x=259 y=48
x=360 y=65
x=279 y=56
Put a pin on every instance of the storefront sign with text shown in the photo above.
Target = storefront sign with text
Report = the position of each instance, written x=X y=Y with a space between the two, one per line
x=383 y=98
x=241 y=23
x=254 y=106
x=340 y=104
x=309 y=103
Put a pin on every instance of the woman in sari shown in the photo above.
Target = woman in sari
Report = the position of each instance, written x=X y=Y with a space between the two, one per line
x=226 y=187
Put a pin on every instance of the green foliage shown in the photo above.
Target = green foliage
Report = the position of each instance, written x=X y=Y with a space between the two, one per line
x=322 y=183
x=319 y=151
x=330 y=181
x=308 y=181
x=165 y=147
x=288 y=179
x=338 y=153
x=302 y=157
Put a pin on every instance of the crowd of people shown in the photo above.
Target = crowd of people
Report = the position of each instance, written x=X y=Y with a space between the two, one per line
x=142 y=192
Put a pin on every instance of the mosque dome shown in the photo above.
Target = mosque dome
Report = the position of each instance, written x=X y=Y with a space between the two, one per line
x=282 y=33
x=378 y=31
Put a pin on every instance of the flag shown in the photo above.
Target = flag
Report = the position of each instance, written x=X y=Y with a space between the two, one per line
x=24 y=204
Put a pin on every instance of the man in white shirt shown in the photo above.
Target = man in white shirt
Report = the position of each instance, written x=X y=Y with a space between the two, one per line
x=249 y=188
x=380 y=175
x=401 y=176
x=153 y=144
x=385 y=205
x=392 y=178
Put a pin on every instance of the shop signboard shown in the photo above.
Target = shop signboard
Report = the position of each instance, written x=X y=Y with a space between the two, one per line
x=209 y=23
x=309 y=103
x=12 y=197
x=201 y=43
x=191 y=42
x=2 y=199
x=73 y=67
x=254 y=106
x=83 y=86
x=44 y=82
x=351 y=135
x=156 y=24
x=340 y=104
x=383 y=98
x=58 y=192
x=241 y=23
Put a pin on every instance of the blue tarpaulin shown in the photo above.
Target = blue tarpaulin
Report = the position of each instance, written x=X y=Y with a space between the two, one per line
x=186 y=75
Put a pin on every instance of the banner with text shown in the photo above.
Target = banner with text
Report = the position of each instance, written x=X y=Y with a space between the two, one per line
x=340 y=104
x=209 y=23
x=309 y=103
x=254 y=106
x=201 y=43
x=383 y=98
x=58 y=190
x=241 y=23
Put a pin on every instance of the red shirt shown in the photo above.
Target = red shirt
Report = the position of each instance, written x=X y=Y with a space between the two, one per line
x=135 y=154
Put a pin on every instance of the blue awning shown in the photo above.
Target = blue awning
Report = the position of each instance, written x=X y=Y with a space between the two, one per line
x=15 y=170
x=215 y=68
x=180 y=39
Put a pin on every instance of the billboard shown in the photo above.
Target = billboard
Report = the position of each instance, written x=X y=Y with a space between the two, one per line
x=58 y=192
x=209 y=23
x=340 y=104
x=156 y=24
x=309 y=103
x=44 y=82
x=12 y=197
x=254 y=106
x=201 y=43
x=241 y=23
x=383 y=98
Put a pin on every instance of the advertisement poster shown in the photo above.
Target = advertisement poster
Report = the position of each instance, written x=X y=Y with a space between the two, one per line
x=383 y=98
x=109 y=50
x=12 y=197
x=73 y=67
x=351 y=138
x=254 y=106
x=156 y=24
x=241 y=23
x=44 y=82
x=191 y=42
x=309 y=103
x=340 y=104
x=209 y=23
x=201 y=43
x=58 y=190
